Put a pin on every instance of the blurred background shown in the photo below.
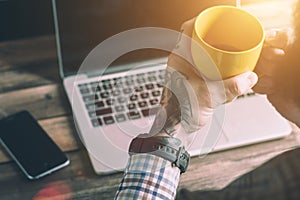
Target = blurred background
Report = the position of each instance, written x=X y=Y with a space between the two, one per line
x=25 y=18
x=29 y=18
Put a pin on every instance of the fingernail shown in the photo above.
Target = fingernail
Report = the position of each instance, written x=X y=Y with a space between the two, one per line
x=252 y=78
x=270 y=34
x=279 y=52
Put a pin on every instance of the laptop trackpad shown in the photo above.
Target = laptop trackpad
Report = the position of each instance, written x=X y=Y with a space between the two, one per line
x=247 y=120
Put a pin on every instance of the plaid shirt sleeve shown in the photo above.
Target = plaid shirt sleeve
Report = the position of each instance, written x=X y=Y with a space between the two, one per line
x=148 y=177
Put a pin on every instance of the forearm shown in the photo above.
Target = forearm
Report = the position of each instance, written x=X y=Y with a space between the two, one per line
x=149 y=176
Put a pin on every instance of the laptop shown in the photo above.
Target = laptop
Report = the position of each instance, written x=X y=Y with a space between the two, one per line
x=115 y=93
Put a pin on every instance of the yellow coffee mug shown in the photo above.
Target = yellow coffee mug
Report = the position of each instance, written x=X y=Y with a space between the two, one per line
x=231 y=37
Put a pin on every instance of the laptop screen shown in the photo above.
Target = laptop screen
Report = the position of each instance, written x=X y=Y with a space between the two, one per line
x=82 y=25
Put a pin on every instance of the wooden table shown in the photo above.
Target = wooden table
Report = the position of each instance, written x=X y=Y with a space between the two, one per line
x=29 y=80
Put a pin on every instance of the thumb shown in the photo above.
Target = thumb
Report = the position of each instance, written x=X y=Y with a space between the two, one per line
x=278 y=38
x=226 y=90
x=240 y=84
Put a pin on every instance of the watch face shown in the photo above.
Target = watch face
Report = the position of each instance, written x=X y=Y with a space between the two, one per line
x=184 y=160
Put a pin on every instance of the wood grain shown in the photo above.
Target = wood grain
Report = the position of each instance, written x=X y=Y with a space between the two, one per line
x=43 y=101
x=26 y=52
x=78 y=176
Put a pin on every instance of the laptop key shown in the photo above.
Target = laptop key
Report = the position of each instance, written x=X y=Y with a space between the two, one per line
x=107 y=86
x=153 y=102
x=120 y=117
x=90 y=107
x=108 y=120
x=84 y=91
x=92 y=114
x=151 y=78
x=133 y=97
x=144 y=95
x=129 y=82
x=83 y=85
x=116 y=92
x=131 y=106
x=118 y=84
x=103 y=111
x=99 y=104
x=133 y=115
x=138 y=89
x=115 y=80
x=140 y=80
x=149 y=86
x=156 y=93
x=95 y=89
x=121 y=99
x=110 y=102
x=89 y=98
x=104 y=95
x=96 y=122
x=150 y=111
x=106 y=81
x=160 y=85
x=140 y=74
x=161 y=76
x=94 y=84
x=119 y=108
x=142 y=104
x=151 y=73
x=127 y=90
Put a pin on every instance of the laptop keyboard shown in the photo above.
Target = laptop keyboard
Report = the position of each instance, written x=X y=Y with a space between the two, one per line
x=116 y=100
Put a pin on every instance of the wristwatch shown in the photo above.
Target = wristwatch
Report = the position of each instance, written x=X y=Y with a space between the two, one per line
x=163 y=146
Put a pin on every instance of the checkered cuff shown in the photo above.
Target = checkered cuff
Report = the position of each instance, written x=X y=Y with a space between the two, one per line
x=148 y=176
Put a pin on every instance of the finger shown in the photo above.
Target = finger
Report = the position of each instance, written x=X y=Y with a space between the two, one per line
x=229 y=89
x=239 y=85
x=188 y=26
x=187 y=30
x=278 y=38
x=271 y=53
x=183 y=46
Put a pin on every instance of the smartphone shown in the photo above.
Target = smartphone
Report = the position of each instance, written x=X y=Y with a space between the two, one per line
x=30 y=146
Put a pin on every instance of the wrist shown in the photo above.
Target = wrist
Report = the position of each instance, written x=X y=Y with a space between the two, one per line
x=166 y=147
x=171 y=131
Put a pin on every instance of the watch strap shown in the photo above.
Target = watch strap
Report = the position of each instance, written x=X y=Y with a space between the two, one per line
x=163 y=146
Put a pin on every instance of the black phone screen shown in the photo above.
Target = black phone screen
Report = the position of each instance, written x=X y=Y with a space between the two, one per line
x=30 y=146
